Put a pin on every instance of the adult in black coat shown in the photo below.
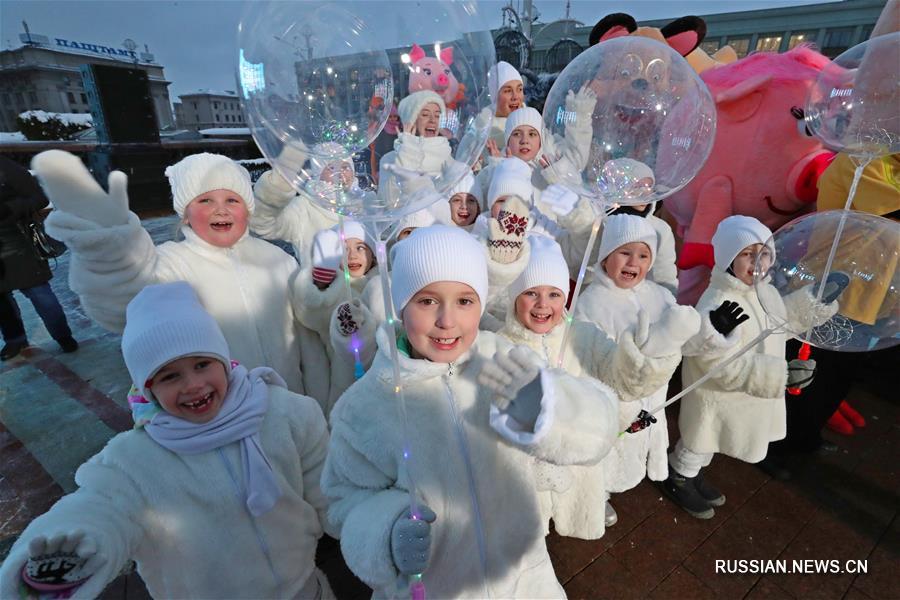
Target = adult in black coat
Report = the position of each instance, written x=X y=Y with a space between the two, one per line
x=21 y=268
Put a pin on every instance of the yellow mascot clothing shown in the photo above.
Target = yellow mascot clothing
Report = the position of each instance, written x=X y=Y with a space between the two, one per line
x=878 y=192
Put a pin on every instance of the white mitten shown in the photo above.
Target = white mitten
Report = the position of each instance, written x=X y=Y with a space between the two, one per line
x=804 y=313
x=665 y=337
x=410 y=181
x=327 y=253
x=515 y=380
x=581 y=103
x=72 y=189
x=562 y=171
x=293 y=155
x=560 y=199
x=291 y=159
x=65 y=558
x=507 y=231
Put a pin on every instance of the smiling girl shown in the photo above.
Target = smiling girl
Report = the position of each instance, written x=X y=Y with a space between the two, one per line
x=221 y=468
x=479 y=532
x=614 y=301
x=244 y=282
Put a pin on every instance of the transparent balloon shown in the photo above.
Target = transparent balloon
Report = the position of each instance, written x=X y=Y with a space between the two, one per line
x=631 y=122
x=853 y=106
x=312 y=73
x=848 y=301
x=381 y=52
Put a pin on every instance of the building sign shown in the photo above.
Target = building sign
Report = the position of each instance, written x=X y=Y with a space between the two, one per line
x=95 y=48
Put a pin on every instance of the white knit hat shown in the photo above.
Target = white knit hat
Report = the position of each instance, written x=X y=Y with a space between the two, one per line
x=498 y=75
x=410 y=107
x=421 y=218
x=619 y=230
x=736 y=233
x=200 y=173
x=466 y=185
x=524 y=116
x=354 y=229
x=437 y=253
x=165 y=322
x=546 y=266
x=512 y=177
x=325 y=154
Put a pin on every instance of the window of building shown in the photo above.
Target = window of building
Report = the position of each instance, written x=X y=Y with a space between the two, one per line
x=217 y=117
x=71 y=97
x=836 y=41
x=768 y=42
x=5 y=98
x=20 y=99
x=195 y=105
x=216 y=105
x=741 y=45
x=802 y=37
x=74 y=111
x=710 y=46
x=84 y=98
x=32 y=96
x=197 y=118
x=866 y=33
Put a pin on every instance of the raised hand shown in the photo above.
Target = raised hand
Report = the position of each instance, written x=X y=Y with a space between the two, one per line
x=72 y=189
x=727 y=316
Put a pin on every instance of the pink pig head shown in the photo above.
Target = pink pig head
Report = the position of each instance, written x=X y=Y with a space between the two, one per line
x=426 y=73
x=764 y=162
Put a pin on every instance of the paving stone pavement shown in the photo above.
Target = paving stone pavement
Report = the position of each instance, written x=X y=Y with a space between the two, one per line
x=57 y=410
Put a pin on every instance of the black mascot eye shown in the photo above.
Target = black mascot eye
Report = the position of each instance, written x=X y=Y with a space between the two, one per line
x=797 y=113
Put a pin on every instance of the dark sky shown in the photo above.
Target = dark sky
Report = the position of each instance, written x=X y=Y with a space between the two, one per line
x=195 y=40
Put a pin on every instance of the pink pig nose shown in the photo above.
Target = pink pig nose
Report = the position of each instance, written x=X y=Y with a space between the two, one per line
x=443 y=79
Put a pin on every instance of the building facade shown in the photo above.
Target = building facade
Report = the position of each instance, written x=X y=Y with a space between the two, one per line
x=44 y=75
x=832 y=26
x=206 y=109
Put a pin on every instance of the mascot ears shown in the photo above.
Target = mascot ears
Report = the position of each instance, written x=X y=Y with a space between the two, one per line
x=683 y=34
x=612 y=26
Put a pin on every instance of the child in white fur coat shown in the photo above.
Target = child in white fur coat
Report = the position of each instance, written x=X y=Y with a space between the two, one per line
x=246 y=284
x=215 y=493
x=620 y=293
x=479 y=532
x=740 y=409
x=575 y=496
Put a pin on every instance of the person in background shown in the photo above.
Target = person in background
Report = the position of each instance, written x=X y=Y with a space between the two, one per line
x=21 y=268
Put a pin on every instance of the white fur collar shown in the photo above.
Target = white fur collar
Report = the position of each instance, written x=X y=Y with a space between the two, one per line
x=411 y=369
x=721 y=280
x=195 y=241
x=604 y=280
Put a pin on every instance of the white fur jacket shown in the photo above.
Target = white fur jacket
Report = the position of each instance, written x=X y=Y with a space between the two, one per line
x=573 y=495
x=283 y=214
x=740 y=409
x=183 y=521
x=615 y=310
x=471 y=465
x=248 y=288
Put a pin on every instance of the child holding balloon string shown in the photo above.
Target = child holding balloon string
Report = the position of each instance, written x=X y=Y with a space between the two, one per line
x=221 y=470
x=619 y=299
x=741 y=408
x=244 y=282
x=641 y=361
x=469 y=439
x=319 y=294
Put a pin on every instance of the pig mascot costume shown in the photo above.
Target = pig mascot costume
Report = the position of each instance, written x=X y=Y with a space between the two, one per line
x=764 y=163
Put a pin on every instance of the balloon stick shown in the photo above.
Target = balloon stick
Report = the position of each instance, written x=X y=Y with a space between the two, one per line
x=358 y=369
x=416 y=586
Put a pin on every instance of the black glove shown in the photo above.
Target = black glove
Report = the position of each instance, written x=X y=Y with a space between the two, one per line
x=834 y=286
x=728 y=316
